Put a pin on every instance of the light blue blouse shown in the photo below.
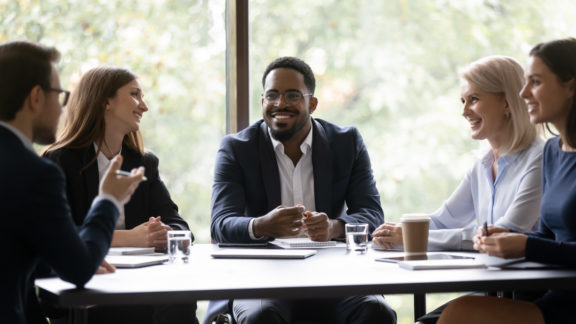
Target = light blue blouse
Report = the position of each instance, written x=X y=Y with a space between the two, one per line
x=511 y=201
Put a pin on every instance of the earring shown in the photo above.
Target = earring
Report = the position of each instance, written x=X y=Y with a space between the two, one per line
x=507 y=114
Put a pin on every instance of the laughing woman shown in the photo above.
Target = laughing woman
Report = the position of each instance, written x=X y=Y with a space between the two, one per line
x=504 y=187
x=549 y=92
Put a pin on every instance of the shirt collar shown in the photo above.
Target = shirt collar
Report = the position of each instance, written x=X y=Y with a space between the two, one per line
x=25 y=140
x=503 y=160
x=304 y=147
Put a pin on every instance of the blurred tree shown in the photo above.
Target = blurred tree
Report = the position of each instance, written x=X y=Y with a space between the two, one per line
x=177 y=48
x=389 y=68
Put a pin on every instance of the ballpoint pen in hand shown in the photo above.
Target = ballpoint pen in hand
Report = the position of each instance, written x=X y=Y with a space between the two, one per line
x=127 y=174
x=485 y=227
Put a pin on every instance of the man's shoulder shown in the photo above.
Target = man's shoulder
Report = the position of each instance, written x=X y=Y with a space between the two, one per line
x=333 y=132
x=20 y=158
x=248 y=135
x=332 y=128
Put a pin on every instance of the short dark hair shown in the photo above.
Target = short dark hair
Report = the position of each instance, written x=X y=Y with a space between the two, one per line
x=293 y=63
x=560 y=57
x=23 y=65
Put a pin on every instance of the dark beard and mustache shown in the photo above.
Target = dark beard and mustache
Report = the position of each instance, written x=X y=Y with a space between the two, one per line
x=283 y=134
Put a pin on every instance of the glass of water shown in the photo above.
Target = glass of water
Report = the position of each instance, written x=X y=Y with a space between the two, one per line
x=357 y=237
x=179 y=244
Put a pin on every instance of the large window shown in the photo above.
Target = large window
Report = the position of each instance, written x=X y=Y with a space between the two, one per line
x=390 y=68
x=178 y=50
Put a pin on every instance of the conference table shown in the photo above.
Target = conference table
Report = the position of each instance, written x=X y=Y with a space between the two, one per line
x=332 y=272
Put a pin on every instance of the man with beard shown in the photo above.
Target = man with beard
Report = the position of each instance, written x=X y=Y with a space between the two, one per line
x=293 y=175
x=36 y=221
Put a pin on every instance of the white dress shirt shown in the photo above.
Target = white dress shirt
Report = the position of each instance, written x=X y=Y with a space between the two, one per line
x=103 y=164
x=296 y=181
x=511 y=201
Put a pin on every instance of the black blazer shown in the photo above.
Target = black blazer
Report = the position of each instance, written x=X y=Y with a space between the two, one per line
x=151 y=199
x=37 y=225
x=247 y=181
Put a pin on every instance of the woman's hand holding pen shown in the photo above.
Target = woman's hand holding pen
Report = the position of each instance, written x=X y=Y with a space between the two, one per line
x=499 y=242
x=487 y=230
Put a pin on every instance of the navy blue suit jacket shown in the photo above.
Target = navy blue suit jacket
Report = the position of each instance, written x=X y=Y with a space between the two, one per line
x=151 y=199
x=37 y=226
x=247 y=181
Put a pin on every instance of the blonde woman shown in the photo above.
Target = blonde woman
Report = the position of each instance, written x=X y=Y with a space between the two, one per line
x=504 y=187
x=549 y=92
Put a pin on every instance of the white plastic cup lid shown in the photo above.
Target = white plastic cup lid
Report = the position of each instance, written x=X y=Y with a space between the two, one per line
x=415 y=217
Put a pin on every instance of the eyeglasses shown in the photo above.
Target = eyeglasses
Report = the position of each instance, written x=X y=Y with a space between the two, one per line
x=291 y=97
x=63 y=95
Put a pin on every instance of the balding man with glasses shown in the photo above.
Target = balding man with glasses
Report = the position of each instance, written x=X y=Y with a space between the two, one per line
x=291 y=175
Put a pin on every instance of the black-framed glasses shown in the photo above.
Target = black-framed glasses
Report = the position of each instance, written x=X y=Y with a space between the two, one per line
x=63 y=95
x=290 y=96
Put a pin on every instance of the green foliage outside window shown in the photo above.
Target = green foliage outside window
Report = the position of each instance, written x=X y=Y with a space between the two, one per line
x=177 y=48
x=389 y=68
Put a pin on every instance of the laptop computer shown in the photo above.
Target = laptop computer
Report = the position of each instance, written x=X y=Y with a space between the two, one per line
x=262 y=254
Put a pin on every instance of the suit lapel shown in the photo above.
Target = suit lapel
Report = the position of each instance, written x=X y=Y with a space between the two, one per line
x=322 y=164
x=269 y=168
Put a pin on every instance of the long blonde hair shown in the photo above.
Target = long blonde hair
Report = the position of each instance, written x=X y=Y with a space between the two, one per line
x=503 y=75
x=84 y=122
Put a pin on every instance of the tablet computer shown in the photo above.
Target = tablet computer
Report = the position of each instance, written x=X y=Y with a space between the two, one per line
x=421 y=257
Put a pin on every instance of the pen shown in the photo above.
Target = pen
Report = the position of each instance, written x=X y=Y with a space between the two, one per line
x=485 y=227
x=127 y=174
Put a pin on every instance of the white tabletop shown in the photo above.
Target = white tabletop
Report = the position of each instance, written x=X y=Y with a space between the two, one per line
x=332 y=272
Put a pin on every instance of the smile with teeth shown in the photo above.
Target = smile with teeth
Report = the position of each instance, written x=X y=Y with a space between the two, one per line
x=282 y=115
x=474 y=122
x=139 y=116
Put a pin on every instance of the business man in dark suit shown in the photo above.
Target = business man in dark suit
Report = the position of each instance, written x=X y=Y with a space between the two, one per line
x=36 y=222
x=285 y=165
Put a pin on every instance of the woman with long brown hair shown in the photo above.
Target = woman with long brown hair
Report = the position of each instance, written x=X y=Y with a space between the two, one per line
x=103 y=120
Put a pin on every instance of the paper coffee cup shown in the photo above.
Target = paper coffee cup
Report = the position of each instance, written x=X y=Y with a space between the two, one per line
x=415 y=233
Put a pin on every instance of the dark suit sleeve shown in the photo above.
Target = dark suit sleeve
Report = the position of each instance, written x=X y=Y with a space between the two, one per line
x=362 y=198
x=228 y=223
x=52 y=233
x=161 y=203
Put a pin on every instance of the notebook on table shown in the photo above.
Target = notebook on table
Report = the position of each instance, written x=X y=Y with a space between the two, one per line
x=304 y=243
x=135 y=261
x=130 y=250
x=262 y=254
x=517 y=263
